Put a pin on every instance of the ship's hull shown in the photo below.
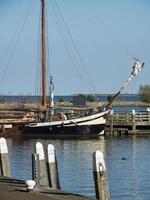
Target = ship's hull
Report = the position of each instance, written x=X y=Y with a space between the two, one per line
x=90 y=126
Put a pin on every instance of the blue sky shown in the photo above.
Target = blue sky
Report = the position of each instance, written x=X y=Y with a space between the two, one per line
x=103 y=37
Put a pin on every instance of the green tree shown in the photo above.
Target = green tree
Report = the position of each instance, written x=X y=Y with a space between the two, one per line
x=110 y=98
x=2 y=99
x=81 y=95
x=90 y=98
x=144 y=92
x=61 y=100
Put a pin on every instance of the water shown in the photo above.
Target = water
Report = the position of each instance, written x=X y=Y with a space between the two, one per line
x=129 y=179
x=68 y=98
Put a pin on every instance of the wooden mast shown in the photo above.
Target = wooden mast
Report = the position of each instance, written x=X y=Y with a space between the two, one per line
x=43 y=24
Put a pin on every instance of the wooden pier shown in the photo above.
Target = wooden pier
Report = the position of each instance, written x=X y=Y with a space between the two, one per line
x=126 y=123
x=45 y=183
x=16 y=190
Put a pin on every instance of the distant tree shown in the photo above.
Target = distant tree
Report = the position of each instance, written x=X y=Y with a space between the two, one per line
x=24 y=99
x=2 y=99
x=90 y=98
x=61 y=100
x=110 y=98
x=144 y=92
x=81 y=95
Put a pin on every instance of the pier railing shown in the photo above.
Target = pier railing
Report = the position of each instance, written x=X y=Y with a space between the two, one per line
x=127 y=117
x=128 y=122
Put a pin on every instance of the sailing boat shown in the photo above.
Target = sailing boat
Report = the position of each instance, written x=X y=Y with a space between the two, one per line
x=92 y=125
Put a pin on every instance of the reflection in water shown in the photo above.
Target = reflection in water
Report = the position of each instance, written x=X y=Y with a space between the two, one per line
x=127 y=161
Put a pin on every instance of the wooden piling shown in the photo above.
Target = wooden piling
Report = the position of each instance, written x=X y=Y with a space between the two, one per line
x=52 y=167
x=100 y=176
x=43 y=179
x=111 y=122
x=133 y=121
x=4 y=158
x=3 y=128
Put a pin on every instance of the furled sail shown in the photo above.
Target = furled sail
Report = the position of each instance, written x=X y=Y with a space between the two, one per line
x=137 y=68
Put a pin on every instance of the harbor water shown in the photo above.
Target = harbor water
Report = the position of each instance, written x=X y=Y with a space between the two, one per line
x=127 y=161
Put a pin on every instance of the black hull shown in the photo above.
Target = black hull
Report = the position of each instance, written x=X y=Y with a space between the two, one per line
x=69 y=132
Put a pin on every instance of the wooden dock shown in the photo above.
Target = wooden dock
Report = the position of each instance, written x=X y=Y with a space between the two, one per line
x=126 y=123
x=44 y=184
x=16 y=190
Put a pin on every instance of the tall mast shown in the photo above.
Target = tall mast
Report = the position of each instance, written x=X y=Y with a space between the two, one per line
x=43 y=54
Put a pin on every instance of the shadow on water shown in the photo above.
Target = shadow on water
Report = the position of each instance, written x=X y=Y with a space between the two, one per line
x=127 y=161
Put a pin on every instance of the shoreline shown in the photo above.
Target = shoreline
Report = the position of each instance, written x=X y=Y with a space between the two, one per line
x=29 y=106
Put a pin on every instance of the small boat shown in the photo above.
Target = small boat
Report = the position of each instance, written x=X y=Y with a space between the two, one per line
x=91 y=126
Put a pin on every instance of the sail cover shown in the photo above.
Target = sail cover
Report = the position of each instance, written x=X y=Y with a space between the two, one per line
x=137 y=68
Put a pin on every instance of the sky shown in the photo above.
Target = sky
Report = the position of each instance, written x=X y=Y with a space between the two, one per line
x=90 y=45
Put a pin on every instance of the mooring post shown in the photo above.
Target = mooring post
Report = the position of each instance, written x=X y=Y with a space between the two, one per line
x=111 y=122
x=35 y=169
x=100 y=176
x=3 y=128
x=43 y=179
x=52 y=167
x=133 y=121
x=4 y=158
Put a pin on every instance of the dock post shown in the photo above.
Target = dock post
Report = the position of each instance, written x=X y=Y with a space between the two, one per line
x=100 y=176
x=43 y=179
x=52 y=167
x=111 y=122
x=3 y=128
x=35 y=169
x=4 y=158
x=133 y=121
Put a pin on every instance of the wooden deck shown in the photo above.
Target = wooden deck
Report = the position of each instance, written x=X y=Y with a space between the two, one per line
x=16 y=190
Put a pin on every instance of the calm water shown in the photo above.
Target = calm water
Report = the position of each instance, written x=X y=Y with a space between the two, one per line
x=129 y=179
x=69 y=98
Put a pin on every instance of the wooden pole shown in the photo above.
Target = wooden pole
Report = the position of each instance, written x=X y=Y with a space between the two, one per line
x=52 y=168
x=43 y=179
x=4 y=158
x=100 y=176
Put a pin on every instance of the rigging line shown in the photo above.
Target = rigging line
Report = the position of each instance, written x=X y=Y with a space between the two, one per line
x=15 y=46
x=67 y=48
x=12 y=16
x=105 y=28
x=12 y=37
x=75 y=47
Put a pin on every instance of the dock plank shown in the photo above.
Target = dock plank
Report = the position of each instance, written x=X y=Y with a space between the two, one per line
x=16 y=190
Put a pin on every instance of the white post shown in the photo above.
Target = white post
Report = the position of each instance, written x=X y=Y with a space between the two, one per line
x=43 y=179
x=52 y=167
x=4 y=158
x=100 y=176
x=51 y=90
x=133 y=121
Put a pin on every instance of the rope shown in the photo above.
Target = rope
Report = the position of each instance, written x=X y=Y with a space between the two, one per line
x=15 y=46
x=87 y=78
x=102 y=26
